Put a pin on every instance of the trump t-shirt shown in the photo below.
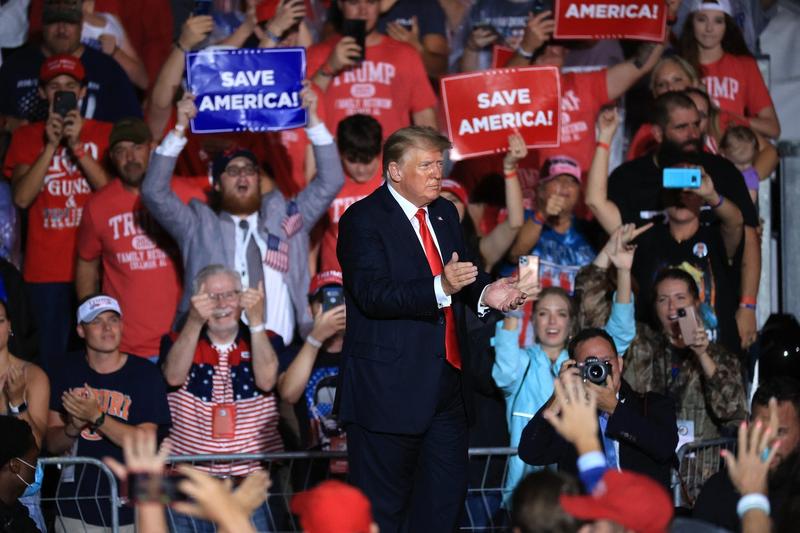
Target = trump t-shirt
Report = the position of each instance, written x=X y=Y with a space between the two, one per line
x=55 y=214
x=389 y=85
x=735 y=85
x=139 y=261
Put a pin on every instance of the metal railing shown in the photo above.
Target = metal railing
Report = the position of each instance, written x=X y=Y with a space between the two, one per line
x=697 y=462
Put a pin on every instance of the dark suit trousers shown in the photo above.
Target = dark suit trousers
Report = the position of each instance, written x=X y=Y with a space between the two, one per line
x=416 y=483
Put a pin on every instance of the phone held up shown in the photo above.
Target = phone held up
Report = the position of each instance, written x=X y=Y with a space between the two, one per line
x=154 y=488
x=64 y=102
x=687 y=323
x=681 y=178
x=332 y=297
x=529 y=267
x=201 y=8
x=357 y=29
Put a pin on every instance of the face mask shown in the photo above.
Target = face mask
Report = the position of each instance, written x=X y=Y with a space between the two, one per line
x=34 y=487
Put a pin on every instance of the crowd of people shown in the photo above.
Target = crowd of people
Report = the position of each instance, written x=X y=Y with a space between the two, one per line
x=245 y=292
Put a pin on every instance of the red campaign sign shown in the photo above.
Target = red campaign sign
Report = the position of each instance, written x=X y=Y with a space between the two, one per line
x=501 y=55
x=483 y=108
x=644 y=20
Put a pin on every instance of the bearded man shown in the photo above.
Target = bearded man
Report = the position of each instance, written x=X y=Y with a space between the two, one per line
x=264 y=238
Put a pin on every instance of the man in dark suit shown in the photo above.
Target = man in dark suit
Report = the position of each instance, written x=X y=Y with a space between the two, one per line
x=405 y=396
x=638 y=431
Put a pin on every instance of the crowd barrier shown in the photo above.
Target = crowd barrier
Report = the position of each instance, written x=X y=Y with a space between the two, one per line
x=697 y=462
x=293 y=472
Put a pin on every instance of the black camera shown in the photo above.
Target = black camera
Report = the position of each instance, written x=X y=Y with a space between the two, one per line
x=595 y=370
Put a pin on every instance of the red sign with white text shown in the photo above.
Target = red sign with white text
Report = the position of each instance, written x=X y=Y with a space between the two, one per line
x=483 y=108
x=644 y=20
x=501 y=55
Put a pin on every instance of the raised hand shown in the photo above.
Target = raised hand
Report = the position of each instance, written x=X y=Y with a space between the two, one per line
x=607 y=124
x=54 y=129
x=411 y=36
x=289 y=13
x=194 y=31
x=749 y=468
x=310 y=102
x=186 y=109
x=213 y=500
x=481 y=38
x=108 y=43
x=141 y=454
x=345 y=54
x=252 y=301
x=329 y=323
x=619 y=247
x=575 y=419
x=201 y=306
x=517 y=151
x=538 y=31
x=457 y=275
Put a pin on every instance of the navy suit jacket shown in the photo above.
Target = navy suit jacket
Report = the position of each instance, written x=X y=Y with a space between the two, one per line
x=394 y=349
x=643 y=424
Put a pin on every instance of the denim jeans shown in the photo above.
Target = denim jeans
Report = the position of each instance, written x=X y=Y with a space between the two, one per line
x=180 y=523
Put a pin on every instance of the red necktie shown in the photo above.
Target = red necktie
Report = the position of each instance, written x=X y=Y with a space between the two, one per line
x=435 y=262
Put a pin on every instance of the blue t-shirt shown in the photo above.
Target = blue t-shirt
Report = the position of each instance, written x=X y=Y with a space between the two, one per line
x=110 y=95
x=561 y=256
x=134 y=394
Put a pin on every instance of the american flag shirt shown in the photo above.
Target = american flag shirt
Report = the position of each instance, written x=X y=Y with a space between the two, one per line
x=223 y=375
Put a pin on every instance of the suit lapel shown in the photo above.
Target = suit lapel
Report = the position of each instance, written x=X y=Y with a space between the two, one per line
x=443 y=232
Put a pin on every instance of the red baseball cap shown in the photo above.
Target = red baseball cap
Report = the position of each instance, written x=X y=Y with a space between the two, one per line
x=631 y=500
x=62 y=64
x=333 y=507
x=321 y=279
x=266 y=9
x=454 y=187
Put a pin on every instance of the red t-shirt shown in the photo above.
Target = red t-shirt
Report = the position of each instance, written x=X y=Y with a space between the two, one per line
x=139 y=261
x=735 y=85
x=55 y=214
x=582 y=96
x=389 y=84
x=350 y=194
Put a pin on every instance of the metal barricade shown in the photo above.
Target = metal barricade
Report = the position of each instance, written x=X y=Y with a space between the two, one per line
x=291 y=472
x=697 y=462
x=92 y=487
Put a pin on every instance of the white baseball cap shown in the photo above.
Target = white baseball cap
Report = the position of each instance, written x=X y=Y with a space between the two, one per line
x=92 y=307
x=713 y=5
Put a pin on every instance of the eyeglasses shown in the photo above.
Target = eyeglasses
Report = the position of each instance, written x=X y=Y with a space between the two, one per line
x=226 y=296
x=236 y=171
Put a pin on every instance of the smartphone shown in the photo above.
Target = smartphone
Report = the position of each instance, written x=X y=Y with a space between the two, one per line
x=681 y=178
x=687 y=323
x=529 y=263
x=64 y=102
x=357 y=29
x=541 y=5
x=332 y=297
x=156 y=488
x=201 y=8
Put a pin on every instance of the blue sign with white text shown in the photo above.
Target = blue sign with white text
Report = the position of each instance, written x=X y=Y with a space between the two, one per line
x=250 y=89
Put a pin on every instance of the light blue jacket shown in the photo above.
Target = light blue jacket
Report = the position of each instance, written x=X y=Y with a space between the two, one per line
x=525 y=375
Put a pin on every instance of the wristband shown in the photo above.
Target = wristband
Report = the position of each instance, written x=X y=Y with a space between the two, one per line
x=272 y=37
x=313 y=342
x=603 y=145
x=510 y=175
x=752 y=501
x=748 y=300
x=748 y=306
x=16 y=410
x=751 y=178
x=78 y=151
x=523 y=53
x=259 y=328
x=718 y=204
x=97 y=423
x=538 y=218
x=178 y=45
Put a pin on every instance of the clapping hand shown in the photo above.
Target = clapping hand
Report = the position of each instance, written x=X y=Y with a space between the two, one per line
x=82 y=404
x=457 y=275
x=504 y=295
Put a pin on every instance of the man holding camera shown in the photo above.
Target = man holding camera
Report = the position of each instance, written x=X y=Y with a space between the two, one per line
x=54 y=165
x=638 y=431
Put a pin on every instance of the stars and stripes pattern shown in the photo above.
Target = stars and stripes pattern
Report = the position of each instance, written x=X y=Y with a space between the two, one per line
x=223 y=375
x=293 y=220
x=277 y=255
